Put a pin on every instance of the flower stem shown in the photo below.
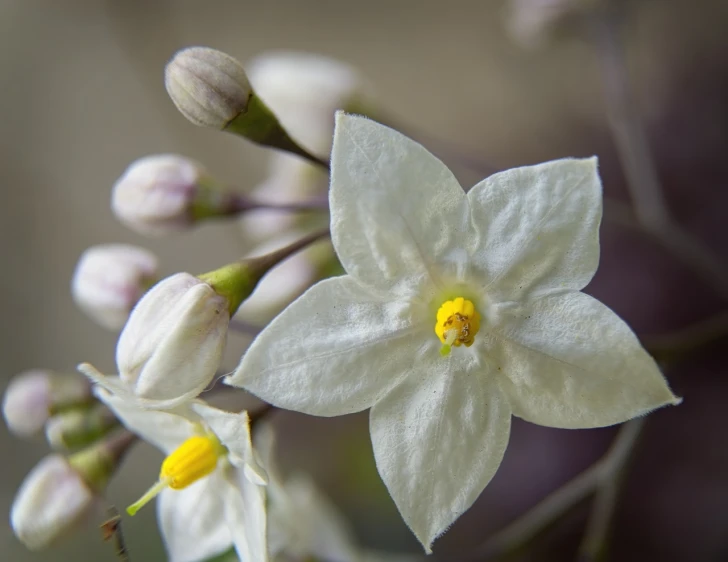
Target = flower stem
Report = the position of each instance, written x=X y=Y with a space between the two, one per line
x=242 y=204
x=593 y=547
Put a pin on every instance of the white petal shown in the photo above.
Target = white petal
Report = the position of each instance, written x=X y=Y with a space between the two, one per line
x=569 y=361
x=246 y=518
x=398 y=215
x=438 y=439
x=537 y=228
x=233 y=431
x=334 y=351
x=163 y=429
x=192 y=520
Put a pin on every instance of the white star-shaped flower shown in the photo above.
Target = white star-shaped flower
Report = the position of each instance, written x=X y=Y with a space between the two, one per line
x=457 y=311
x=211 y=488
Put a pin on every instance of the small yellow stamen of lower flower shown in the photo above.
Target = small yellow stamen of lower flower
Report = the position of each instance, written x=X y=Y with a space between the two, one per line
x=195 y=458
x=457 y=324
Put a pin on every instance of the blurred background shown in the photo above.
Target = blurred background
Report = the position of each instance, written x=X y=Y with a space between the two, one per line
x=82 y=95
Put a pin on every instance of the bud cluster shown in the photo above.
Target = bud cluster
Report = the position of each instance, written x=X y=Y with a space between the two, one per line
x=66 y=486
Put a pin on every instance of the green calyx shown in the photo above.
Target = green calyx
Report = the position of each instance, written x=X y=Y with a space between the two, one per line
x=235 y=282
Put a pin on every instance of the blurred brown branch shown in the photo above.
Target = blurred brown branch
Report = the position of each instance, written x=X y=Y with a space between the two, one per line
x=604 y=477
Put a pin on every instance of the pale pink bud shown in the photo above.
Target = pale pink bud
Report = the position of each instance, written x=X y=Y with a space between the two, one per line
x=110 y=279
x=32 y=396
x=163 y=193
x=52 y=500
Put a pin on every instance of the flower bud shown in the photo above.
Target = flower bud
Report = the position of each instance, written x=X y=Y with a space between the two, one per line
x=208 y=87
x=78 y=427
x=52 y=500
x=33 y=396
x=110 y=279
x=211 y=89
x=59 y=493
x=172 y=344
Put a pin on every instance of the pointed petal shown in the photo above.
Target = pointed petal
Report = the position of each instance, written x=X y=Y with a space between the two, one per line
x=334 y=351
x=567 y=360
x=246 y=517
x=233 y=431
x=398 y=215
x=537 y=228
x=192 y=520
x=438 y=438
x=165 y=430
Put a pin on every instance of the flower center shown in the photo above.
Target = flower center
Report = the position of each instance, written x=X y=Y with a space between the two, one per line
x=195 y=458
x=457 y=324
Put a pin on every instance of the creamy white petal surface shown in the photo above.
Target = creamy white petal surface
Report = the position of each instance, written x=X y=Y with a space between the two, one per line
x=438 y=439
x=569 y=361
x=164 y=430
x=399 y=217
x=336 y=332
x=537 y=228
x=192 y=520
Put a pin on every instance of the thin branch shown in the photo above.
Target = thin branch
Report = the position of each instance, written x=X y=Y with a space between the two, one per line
x=634 y=154
x=523 y=530
x=689 y=339
x=593 y=547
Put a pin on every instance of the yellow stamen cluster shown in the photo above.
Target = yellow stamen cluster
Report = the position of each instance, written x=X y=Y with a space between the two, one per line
x=195 y=458
x=457 y=324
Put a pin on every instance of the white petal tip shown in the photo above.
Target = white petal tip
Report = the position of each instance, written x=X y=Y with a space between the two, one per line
x=676 y=401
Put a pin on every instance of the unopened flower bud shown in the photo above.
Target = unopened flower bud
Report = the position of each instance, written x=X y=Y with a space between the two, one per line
x=172 y=344
x=33 y=396
x=211 y=89
x=52 y=500
x=79 y=427
x=60 y=493
x=110 y=279
x=167 y=193
x=208 y=87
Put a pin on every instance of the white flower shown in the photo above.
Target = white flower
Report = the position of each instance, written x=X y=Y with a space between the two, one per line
x=172 y=345
x=496 y=274
x=302 y=523
x=211 y=488
x=529 y=22
x=304 y=90
x=110 y=279
x=52 y=500
x=165 y=193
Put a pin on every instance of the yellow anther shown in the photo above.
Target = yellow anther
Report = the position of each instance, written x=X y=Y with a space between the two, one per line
x=195 y=458
x=457 y=324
